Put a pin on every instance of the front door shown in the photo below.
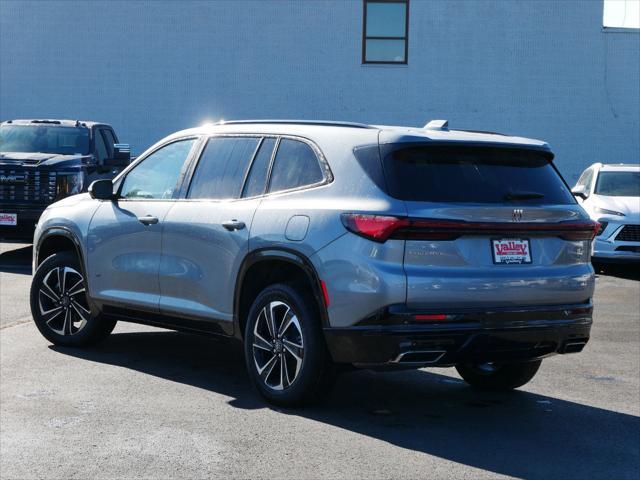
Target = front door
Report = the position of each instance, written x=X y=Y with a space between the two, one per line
x=124 y=241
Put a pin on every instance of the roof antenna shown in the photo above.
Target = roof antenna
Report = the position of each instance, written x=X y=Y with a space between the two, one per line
x=437 y=125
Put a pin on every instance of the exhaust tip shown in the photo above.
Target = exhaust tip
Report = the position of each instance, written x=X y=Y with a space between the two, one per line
x=419 y=357
x=573 y=346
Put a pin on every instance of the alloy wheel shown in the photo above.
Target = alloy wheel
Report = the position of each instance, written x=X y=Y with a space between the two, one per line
x=278 y=345
x=62 y=301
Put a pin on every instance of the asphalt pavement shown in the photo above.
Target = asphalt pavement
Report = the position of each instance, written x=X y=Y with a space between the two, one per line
x=150 y=403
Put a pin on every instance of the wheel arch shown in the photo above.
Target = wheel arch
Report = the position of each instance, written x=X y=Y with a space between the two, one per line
x=58 y=239
x=264 y=260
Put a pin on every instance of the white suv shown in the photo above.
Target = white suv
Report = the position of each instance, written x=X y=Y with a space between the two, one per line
x=611 y=195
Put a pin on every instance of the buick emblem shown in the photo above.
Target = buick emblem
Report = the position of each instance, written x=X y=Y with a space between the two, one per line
x=516 y=216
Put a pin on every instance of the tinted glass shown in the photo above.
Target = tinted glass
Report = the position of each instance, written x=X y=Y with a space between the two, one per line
x=222 y=167
x=109 y=140
x=473 y=175
x=257 y=179
x=618 y=184
x=44 y=139
x=101 y=148
x=386 y=19
x=157 y=175
x=295 y=165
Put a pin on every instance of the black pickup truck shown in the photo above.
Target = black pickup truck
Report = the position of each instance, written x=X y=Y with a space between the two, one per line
x=42 y=161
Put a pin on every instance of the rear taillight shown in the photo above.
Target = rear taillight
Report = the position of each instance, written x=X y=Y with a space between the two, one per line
x=374 y=227
x=381 y=227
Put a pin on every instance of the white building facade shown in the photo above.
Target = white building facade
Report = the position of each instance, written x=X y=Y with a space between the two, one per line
x=544 y=69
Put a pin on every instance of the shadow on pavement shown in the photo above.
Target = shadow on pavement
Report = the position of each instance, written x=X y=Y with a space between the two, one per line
x=16 y=261
x=628 y=271
x=519 y=434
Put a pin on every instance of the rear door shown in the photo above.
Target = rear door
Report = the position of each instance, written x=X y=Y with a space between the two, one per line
x=124 y=238
x=206 y=235
x=496 y=227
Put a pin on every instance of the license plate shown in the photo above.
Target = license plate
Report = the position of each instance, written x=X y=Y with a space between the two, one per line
x=9 y=219
x=511 y=251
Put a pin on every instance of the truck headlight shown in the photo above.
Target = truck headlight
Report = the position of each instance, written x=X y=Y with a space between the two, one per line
x=608 y=212
x=69 y=184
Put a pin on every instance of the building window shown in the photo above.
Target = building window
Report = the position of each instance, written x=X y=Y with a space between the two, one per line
x=385 y=31
x=621 y=14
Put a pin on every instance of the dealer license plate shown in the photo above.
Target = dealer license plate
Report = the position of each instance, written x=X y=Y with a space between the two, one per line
x=9 y=219
x=511 y=251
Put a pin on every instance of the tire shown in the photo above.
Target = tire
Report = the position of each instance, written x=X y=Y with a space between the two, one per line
x=498 y=377
x=292 y=368
x=65 y=319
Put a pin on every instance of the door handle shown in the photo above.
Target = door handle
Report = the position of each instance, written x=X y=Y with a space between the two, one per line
x=148 y=220
x=232 y=225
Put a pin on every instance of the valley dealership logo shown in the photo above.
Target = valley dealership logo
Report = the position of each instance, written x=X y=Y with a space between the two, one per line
x=12 y=179
x=516 y=216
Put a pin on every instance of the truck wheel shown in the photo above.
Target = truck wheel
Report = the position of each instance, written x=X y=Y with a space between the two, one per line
x=59 y=303
x=285 y=352
x=491 y=376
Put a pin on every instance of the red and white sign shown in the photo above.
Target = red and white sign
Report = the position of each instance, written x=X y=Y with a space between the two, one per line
x=8 y=219
x=511 y=250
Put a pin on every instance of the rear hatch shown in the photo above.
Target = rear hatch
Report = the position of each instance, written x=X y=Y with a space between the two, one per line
x=488 y=227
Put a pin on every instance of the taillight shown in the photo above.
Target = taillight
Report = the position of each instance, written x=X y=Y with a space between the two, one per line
x=374 y=227
x=380 y=228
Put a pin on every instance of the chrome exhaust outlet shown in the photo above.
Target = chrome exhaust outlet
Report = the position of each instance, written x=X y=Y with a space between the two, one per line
x=419 y=357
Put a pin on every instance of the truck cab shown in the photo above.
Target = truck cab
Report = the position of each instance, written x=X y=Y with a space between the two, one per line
x=43 y=161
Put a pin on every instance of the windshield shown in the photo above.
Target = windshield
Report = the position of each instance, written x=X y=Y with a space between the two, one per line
x=44 y=139
x=618 y=184
x=473 y=174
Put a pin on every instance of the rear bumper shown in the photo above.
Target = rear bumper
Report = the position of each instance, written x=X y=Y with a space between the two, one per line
x=28 y=216
x=466 y=336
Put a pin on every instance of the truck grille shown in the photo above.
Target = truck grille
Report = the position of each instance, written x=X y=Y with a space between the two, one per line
x=22 y=185
x=630 y=233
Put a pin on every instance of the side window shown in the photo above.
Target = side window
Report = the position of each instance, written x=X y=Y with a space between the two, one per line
x=110 y=140
x=585 y=179
x=257 y=179
x=101 y=148
x=157 y=175
x=222 y=167
x=295 y=165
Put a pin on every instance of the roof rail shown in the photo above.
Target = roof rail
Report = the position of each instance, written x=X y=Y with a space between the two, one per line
x=55 y=122
x=326 y=123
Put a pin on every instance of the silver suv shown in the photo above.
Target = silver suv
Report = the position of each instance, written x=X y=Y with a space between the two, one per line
x=320 y=244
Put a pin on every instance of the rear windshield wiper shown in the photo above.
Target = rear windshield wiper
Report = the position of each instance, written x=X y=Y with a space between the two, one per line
x=523 y=196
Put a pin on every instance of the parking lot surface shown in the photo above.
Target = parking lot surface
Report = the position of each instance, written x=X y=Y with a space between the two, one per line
x=150 y=403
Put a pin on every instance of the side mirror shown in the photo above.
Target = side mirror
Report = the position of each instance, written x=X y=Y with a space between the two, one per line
x=121 y=155
x=101 y=189
x=580 y=191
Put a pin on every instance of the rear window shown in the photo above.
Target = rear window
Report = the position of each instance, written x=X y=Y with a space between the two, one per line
x=472 y=175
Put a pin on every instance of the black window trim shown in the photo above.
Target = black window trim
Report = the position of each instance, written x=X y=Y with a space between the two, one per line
x=365 y=37
x=178 y=192
x=327 y=174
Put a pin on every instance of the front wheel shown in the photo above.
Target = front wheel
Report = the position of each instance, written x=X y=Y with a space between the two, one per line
x=60 y=306
x=493 y=376
x=285 y=351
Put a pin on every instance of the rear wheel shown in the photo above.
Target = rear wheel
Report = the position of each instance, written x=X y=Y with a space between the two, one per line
x=493 y=376
x=60 y=305
x=285 y=351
